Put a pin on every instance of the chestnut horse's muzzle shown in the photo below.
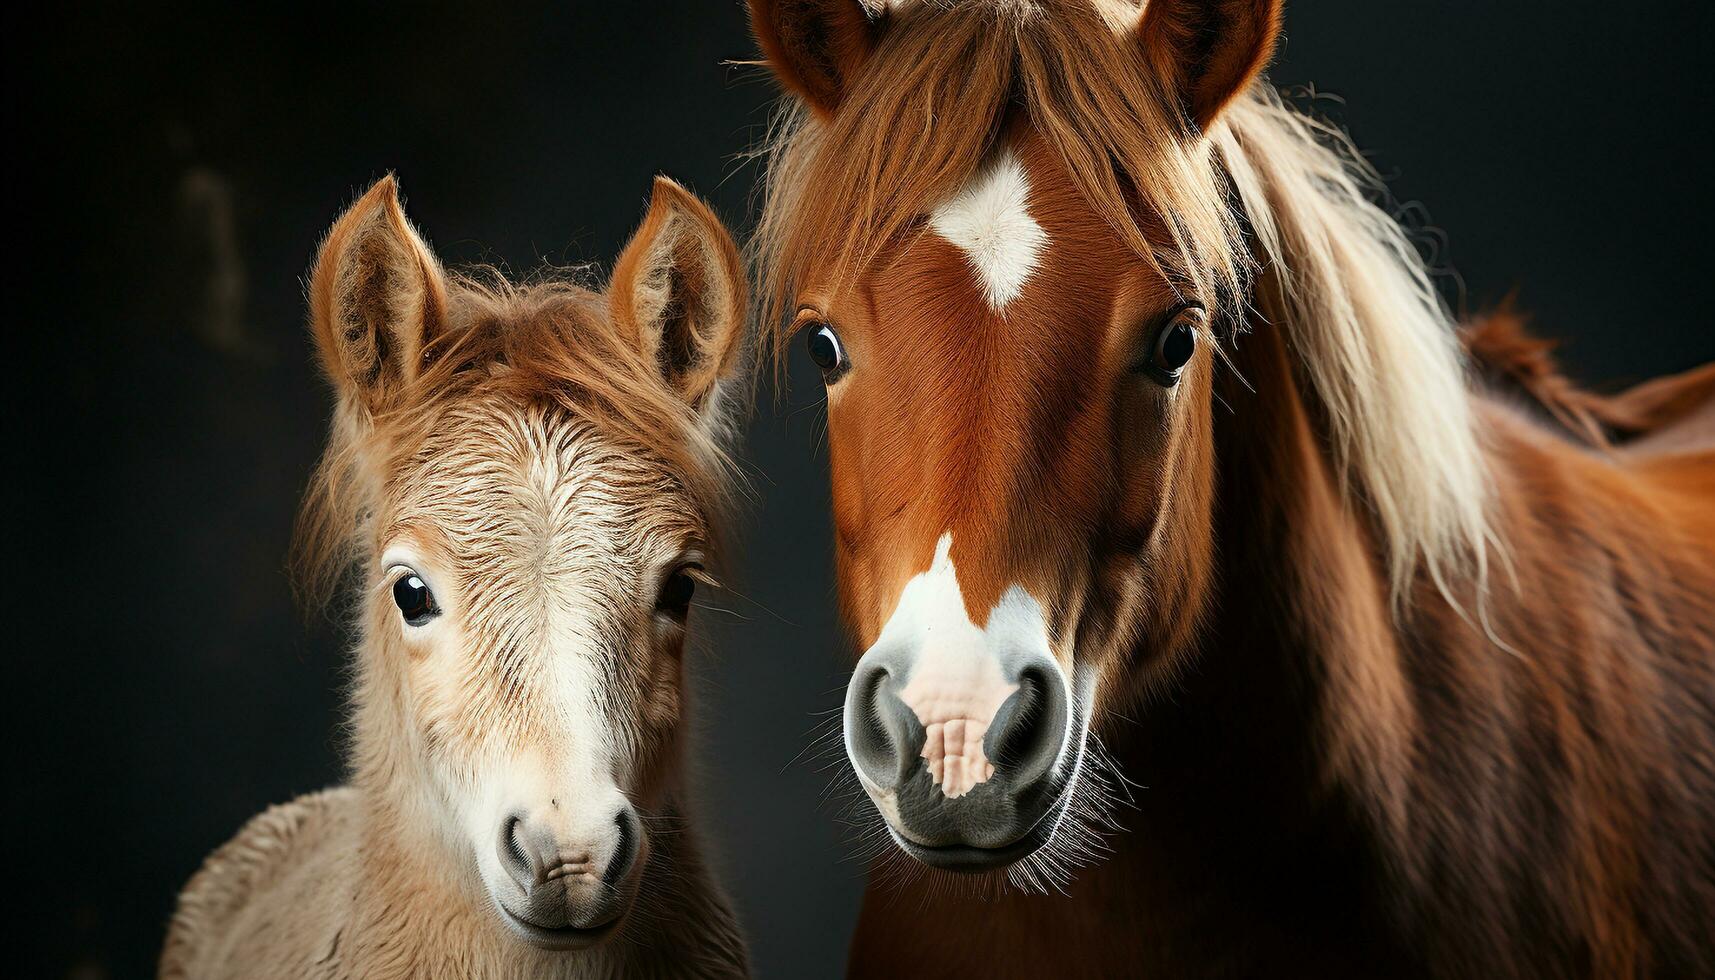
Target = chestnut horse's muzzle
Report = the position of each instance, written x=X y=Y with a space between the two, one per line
x=970 y=766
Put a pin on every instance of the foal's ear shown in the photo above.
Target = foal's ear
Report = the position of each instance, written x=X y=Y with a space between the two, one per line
x=377 y=297
x=1209 y=50
x=678 y=290
x=814 y=46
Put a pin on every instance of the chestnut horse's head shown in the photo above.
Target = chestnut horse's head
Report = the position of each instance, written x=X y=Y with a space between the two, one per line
x=1006 y=232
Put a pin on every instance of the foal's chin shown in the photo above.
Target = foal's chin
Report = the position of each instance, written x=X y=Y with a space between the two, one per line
x=565 y=938
x=582 y=922
x=971 y=859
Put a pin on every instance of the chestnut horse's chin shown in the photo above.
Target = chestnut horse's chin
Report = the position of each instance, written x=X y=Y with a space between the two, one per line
x=968 y=859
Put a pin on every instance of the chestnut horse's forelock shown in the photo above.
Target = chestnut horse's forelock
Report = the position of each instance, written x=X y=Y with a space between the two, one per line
x=934 y=100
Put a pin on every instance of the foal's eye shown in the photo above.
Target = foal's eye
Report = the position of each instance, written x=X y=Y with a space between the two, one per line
x=416 y=603
x=826 y=350
x=1174 y=345
x=676 y=592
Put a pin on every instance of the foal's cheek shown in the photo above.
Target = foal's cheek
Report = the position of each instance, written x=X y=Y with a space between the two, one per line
x=657 y=717
x=663 y=694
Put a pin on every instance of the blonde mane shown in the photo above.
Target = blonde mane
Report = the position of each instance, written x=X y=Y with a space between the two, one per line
x=1271 y=204
x=551 y=342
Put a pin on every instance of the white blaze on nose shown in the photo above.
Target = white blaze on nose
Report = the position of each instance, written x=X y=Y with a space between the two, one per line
x=990 y=221
x=956 y=683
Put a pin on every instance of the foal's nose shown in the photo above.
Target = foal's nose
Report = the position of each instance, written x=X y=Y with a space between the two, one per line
x=968 y=758
x=569 y=883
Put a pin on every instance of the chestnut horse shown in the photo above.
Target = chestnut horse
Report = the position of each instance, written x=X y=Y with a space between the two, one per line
x=1147 y=426
x=525 y=482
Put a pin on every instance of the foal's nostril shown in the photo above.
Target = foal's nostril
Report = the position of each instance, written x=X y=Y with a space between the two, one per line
x=1025 y=738
x=513 y=854
x=625 y=852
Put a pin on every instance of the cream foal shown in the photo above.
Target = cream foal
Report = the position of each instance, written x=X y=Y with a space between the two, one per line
x=525 y=481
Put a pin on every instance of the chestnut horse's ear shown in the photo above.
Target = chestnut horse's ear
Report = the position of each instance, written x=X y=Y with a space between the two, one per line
x=377 y=297
x=816 y=45
x=1209 y=50
x=679 y=291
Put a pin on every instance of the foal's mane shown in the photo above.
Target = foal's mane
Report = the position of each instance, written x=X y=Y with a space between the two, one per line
x=550 y=343
x=1273 y=210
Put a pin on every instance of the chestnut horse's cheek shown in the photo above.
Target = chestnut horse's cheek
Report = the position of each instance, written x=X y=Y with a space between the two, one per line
x=1138 y=486
x=847 y=499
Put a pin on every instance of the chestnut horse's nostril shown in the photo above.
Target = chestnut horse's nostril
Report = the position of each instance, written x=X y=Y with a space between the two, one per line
x=883 y=735
x=1028 y=730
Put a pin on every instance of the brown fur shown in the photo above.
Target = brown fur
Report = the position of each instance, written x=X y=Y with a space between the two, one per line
x=817 y=43
x=1501 y=343
x=1387 y=721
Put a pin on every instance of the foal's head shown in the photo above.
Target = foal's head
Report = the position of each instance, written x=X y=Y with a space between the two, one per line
x=527 y=480
x=1006 y=231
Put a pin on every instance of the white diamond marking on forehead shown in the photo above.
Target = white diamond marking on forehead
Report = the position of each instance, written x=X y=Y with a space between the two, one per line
x=989 y=220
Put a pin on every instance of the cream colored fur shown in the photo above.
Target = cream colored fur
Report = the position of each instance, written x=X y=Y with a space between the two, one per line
x=315 y=888
x=523 y=453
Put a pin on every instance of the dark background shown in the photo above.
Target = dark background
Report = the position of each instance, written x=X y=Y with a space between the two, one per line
x=174 y=169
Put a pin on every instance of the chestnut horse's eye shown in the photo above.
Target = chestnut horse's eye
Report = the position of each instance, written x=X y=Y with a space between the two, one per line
x=826 y=351
x=1174 y=345
x=676 y=592
x=416 y=603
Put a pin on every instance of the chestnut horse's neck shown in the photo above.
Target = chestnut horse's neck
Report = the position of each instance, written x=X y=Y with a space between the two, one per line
x=1500 y=787
x=1275 y=759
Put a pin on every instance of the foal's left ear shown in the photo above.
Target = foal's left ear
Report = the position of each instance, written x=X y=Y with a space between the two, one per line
x=1209 y=50
x=679 y=291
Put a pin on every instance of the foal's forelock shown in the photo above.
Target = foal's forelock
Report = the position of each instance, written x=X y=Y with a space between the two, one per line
x=550 y=344
x=550 y=529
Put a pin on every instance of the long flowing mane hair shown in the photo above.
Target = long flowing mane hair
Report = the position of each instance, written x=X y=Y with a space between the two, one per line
x=1272 y=217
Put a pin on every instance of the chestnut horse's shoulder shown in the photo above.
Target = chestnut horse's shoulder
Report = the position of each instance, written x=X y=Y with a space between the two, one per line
x=274 y=845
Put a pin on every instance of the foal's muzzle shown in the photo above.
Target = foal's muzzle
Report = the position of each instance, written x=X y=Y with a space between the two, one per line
x=962 y=789
x=567 y=890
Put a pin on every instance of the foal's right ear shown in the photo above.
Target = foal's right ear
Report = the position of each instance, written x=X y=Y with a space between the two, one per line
x=814 y=46
x=377 y=297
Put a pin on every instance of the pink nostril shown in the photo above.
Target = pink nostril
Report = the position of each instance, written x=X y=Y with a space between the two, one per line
x=535 y=861
x=569 y=865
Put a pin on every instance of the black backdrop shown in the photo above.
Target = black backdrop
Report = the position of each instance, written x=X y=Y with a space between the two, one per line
x=165 y=688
